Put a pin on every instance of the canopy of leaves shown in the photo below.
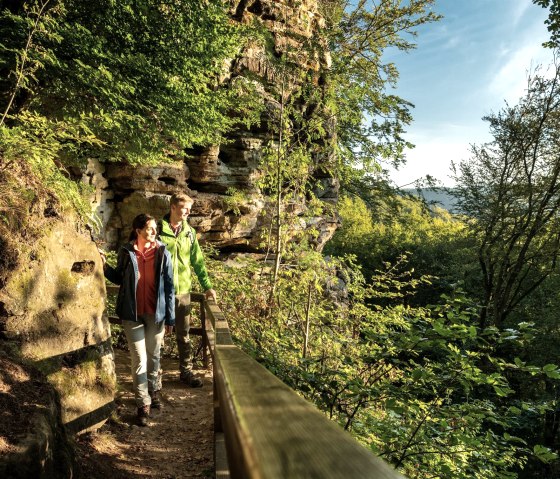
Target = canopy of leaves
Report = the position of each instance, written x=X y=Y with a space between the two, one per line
x=436 y=243
x=553 y=21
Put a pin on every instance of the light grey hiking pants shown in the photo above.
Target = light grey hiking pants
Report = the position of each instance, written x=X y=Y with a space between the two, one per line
x=144 y=338
x=182 y=327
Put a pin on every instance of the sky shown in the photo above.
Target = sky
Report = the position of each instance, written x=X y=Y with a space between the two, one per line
x=465 y=66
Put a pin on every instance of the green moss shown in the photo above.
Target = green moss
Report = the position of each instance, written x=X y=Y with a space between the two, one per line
x=87 y=374
x=22 y=284
x=70 y=380
x=66 y=286
x=107 y=381
x=40 y=252
x=63 y=381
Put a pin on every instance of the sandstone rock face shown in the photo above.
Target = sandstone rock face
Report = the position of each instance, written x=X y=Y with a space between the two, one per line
x=231 y=222
x=53 y=311
x=32 y=442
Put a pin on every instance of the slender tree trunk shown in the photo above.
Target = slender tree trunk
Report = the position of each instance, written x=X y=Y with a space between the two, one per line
x=307 y=319
x=24 y=56
x=278 y=257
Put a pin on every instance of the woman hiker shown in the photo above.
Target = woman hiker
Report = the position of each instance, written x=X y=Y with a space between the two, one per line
x=146 y=307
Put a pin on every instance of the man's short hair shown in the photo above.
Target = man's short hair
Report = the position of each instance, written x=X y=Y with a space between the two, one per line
x=177 y=198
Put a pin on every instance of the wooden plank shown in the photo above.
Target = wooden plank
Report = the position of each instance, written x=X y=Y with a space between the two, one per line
x=220 y=326
x=271 y=432
x=198 y=297
x=112 y=288
x=204 y=337
x=210 y=336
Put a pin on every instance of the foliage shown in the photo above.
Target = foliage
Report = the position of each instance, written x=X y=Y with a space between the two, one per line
x=289 y=162
x=370 y=120
x=436 y=243
x=539 y=421
x=553 y=21
x=133 y=81
x=510 y=192
x=299 y=142
x=421 y=386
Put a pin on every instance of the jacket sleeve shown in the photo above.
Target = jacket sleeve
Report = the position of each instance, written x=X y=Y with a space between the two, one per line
x=115 y=275
x=169 y=290
x=197 y=262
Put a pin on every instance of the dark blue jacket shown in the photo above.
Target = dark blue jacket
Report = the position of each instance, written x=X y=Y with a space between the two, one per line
x=126 y=276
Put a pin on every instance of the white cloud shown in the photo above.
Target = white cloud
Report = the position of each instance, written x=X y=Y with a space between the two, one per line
x=510 y=81
x=516 y=60
x=452 y=42
x=519 y=9
x=431 y=158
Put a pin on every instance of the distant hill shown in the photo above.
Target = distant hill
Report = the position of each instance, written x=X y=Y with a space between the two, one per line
x=437 y=196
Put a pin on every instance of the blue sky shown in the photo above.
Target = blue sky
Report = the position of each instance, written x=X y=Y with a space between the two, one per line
x=465 y=66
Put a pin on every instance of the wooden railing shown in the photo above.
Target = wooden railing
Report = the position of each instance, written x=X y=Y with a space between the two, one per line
x=264 y=429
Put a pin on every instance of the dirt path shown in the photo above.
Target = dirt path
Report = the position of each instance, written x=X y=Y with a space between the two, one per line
x=177 y=444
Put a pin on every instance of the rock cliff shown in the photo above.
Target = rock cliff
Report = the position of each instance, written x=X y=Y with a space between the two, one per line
x=209 y=174
x=55 y=345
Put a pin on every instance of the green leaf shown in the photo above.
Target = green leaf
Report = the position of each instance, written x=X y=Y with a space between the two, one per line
x=544 y=454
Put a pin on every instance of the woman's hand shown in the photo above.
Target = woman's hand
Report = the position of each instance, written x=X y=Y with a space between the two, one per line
x=103 y=257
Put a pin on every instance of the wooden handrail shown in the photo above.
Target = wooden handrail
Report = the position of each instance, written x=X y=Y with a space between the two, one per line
x=270 y=431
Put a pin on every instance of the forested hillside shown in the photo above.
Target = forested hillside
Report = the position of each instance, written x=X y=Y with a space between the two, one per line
x=431 y=336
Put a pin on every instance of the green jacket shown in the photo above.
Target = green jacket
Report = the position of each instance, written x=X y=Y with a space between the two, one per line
x=185 y=252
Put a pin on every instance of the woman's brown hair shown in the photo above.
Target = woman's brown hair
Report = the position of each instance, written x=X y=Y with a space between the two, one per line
x=139 y=223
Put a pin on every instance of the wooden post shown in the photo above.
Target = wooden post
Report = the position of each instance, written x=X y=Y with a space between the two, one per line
x=204 y=337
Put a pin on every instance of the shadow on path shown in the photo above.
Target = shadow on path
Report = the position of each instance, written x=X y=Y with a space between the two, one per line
x=178 y=443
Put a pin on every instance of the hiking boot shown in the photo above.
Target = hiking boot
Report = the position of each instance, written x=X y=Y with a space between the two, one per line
x=190 y=380
x=143 y=415
x=156 y=401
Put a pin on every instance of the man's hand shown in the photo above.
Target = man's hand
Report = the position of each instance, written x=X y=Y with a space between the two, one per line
x=210 y=294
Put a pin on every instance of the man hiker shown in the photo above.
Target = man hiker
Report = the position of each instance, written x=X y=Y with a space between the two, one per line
x=180 y=240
